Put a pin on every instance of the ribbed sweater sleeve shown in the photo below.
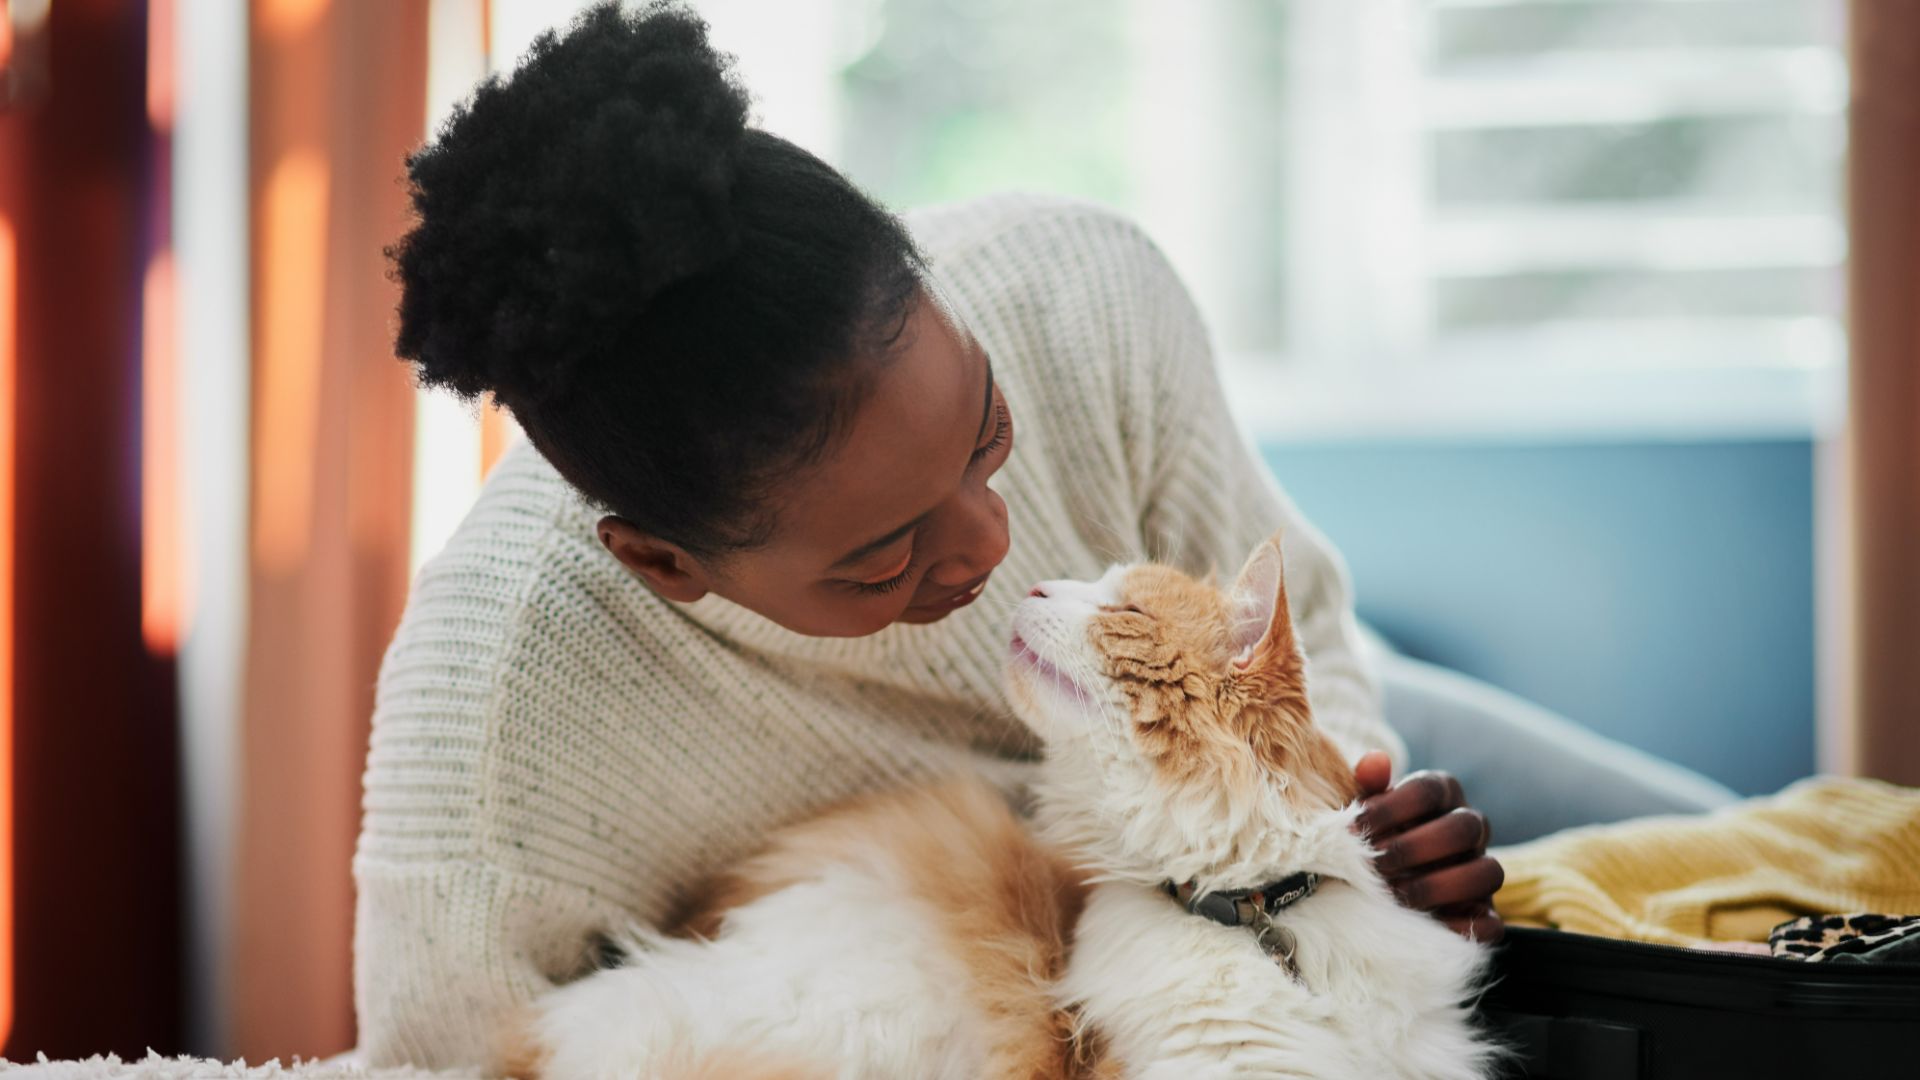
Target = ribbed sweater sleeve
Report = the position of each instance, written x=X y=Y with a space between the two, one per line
x=446 y=939
x=445 y=951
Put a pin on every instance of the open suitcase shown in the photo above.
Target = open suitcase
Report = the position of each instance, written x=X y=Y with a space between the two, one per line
x=1587 y=1008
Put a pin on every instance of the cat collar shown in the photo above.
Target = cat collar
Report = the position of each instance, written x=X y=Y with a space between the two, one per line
x=1236 y=907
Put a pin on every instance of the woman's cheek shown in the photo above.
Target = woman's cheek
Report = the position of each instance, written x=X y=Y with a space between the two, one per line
x=876 y=613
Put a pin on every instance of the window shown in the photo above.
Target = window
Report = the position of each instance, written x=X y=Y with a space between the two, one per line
x=1471 y=213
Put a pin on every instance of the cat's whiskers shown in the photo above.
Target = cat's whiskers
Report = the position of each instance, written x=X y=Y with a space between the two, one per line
x=1118 y=551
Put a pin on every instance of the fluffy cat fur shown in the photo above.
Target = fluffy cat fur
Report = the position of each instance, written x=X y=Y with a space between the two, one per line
x=932 y=933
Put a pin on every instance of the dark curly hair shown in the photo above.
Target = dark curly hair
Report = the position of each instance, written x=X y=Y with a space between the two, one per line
x=677 y=307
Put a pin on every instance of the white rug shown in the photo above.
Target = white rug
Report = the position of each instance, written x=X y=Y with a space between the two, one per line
x=155 y=1067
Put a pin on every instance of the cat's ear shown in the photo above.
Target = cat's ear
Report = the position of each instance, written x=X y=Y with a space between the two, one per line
x=1262 y=628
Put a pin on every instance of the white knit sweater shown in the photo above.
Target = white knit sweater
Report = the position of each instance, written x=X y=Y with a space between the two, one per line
x=556 y=749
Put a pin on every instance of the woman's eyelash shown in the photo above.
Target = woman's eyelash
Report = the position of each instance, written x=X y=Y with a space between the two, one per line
x=1002 y=425
x=887 y=586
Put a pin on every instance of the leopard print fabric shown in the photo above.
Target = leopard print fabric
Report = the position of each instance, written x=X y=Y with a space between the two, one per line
x=1818 y=938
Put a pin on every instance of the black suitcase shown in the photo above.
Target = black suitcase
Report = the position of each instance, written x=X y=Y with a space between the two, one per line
x=1576 y=1007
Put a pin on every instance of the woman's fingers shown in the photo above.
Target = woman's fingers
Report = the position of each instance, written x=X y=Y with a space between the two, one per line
x=1420 y=796
x=1373 y=772
x=1457 y=832
x=1474 y=880
x=1433 y=848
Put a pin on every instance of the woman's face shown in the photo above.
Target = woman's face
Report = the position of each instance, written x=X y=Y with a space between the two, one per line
x=896 y=522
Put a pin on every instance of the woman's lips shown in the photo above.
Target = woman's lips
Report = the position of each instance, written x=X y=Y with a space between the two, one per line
x=960 y=598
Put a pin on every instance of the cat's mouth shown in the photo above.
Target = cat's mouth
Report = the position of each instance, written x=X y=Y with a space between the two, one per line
x=1023 y=653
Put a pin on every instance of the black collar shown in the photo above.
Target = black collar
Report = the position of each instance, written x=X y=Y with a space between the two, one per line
x=1236 y=907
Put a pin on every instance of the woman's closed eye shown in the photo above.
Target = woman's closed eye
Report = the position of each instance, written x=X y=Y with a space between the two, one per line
x=892 y=580
x=1002 y=427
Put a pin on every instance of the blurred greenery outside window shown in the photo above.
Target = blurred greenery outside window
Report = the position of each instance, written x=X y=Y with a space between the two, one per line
x=1467 y=215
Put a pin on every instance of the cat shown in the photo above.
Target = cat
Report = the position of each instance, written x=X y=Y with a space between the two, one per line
x=1188 y=900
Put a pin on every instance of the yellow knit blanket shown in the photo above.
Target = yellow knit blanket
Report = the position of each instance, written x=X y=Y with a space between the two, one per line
x=1821 y=846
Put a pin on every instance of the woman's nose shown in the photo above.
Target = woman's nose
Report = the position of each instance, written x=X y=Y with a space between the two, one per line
x=979 y=539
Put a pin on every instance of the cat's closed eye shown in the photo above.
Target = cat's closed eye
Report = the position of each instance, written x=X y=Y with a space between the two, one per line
x=1133 y=609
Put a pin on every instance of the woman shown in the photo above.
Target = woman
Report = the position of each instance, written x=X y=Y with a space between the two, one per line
x=757 y=554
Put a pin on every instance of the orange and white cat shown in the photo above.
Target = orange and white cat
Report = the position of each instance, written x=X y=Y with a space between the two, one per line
x=932 y=933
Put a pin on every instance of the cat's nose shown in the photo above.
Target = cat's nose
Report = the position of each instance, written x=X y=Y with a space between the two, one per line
x=1039 y=591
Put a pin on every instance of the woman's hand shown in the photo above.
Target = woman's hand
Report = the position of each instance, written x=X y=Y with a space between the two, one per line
x=1433 y=846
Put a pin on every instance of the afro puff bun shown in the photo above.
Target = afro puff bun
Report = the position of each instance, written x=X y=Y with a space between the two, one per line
x=610 y=159
x=667 y=299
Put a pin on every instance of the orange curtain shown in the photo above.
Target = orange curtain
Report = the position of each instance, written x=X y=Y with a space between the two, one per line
x=338 y=98
x=1884 y=293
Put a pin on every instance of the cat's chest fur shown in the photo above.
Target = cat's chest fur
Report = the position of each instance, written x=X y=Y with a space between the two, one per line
x=1195 y=998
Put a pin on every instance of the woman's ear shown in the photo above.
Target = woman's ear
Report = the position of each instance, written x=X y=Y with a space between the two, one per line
x=666 y=568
